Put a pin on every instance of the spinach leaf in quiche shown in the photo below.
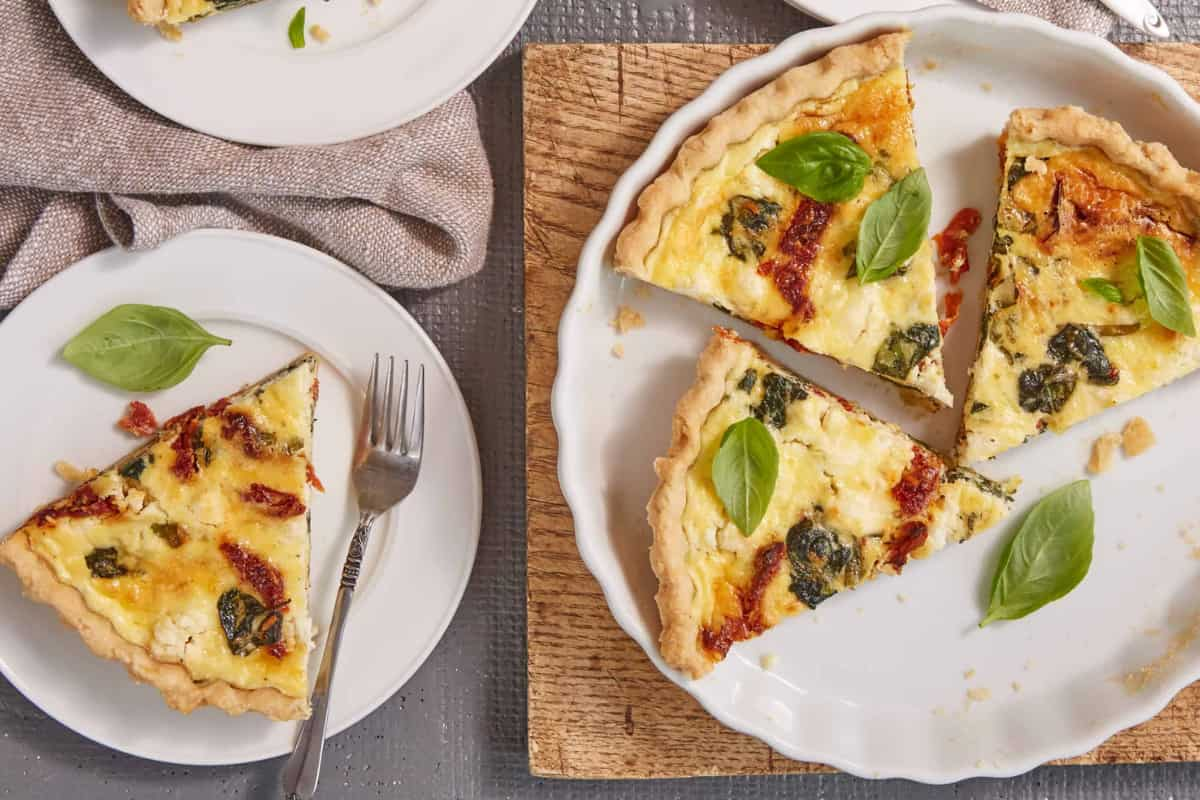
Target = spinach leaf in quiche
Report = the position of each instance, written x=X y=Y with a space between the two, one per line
x=140 y=348
x=1103 y=288
x=296 y=30
x=744 y=472
x=894 y=227
x=1048 y=557
x=826 y=166
x=1165 y=285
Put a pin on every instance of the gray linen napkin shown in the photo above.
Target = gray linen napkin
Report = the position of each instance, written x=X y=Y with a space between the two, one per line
x=1083 y=15
x=82 y=166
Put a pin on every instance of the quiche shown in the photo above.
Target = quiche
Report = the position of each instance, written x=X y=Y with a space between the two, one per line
x=174 y=12
x=854 y=497
x=718 y=228
x=187 y=560
x=1067 y=329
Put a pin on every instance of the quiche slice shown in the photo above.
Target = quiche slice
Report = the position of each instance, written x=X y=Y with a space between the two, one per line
x=716 y=227
x=1067 y=331
x=187 y=561
x=174 y=12
x=854 y=497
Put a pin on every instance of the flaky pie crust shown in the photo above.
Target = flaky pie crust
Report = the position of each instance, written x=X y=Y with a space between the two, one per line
x=680 y=638
x=766 y=105
x=1071 y=126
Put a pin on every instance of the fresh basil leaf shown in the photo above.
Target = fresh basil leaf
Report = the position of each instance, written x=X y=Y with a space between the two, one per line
x=1103 y=288
x=744 y=472
x=1047 y=557
x=894 y=228
x=140 y=348
x=1165 y=285
x=296 y=30
x=828 y=167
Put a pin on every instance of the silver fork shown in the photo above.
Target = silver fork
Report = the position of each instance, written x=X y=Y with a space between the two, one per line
x=386 y=463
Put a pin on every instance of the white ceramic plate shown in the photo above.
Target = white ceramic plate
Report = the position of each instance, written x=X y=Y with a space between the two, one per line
x=275 y=299
x=236 y=76
x=842 y=10
x=875 y=681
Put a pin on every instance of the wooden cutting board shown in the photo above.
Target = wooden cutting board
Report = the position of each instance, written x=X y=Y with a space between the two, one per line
x=597 y=707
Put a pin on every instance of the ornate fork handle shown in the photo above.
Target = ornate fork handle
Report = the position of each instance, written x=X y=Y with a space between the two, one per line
x=302 y=769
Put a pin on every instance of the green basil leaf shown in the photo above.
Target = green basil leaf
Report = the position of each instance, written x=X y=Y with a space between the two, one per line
x=1165 y=285
x=744 y=472
x=1103 y=288
x=1047 y=557
x=296 y=30
x=894 y=228
x=828 y=167
x=140 y=348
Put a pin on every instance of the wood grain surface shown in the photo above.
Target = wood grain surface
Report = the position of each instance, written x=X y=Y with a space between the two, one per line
x=597 y=706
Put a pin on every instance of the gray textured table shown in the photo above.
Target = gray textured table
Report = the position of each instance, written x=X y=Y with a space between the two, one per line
x=457 y=730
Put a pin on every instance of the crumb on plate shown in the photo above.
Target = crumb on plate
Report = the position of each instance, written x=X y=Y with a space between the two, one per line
x=969 y=673
x=320 y=33
x=978 y=694
x=1104 y=451
x=901 y=598
x=1136 y=437
x=627 y=319
x=768 y=661
x=1016 y=687
x=618 y=350
x=73 y=474
x=986 y=86
x=172 y=33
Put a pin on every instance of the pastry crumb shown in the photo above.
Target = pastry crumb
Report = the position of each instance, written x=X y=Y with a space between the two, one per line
x=1016 y=687
x=73 y=474
x=172 y=33
x=627 y=319
x=1028 y=664
x=938 y=711
x=642 y=290
x=986 y=86
x=1136 y=437
x=1121 y=545
x=618 y=350
x=901 y=598
x=859 y=610
x=969 y=673
x=768 y=661
x=374 y=2
x=1104 y=452
x=978 y=694
x=320 y=33
x=1035 y=165
x=929 y=65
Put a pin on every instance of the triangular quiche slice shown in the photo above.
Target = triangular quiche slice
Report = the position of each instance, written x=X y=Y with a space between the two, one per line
x=855 y=497
x=1067 y=331
x=718 y=228
x=187 y=561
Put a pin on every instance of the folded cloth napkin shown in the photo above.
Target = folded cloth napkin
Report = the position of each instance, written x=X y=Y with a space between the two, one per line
x=82 y=166
x=1082 y=15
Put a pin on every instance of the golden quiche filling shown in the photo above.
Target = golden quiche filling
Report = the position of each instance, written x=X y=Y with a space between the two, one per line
x=718 y=228
x=174 y=12
x=854 y=497
x=188 y=559
x=1070 y=325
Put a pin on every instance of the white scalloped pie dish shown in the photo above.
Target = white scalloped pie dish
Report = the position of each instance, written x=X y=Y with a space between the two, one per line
x=875 y=682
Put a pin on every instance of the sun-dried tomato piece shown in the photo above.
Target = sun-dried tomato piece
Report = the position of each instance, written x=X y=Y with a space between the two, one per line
x=311 y=477
x=255 y=570
x=952 y=242
x=911 y=535
x=138 y=420
x=240 y=427
x=186 y=463
x=798 y=249
x=767 y=563
x=84 y=502
x=274 y=502
x=919 y=482
x=953 y=304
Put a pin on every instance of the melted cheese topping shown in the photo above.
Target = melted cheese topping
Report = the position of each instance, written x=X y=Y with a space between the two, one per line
x=167 y=602
x=1071 y=214
x=851 y=321
x=837 y=468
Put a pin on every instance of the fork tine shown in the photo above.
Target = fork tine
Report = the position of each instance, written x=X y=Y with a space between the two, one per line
x=395 y=440
x=375 y=403
x=416 y=435
x=385 y=421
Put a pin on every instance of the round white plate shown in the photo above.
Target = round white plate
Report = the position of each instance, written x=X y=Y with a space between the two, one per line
x=235 y=75
x=875 y=681
x=842 y=10
x=275 y=299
